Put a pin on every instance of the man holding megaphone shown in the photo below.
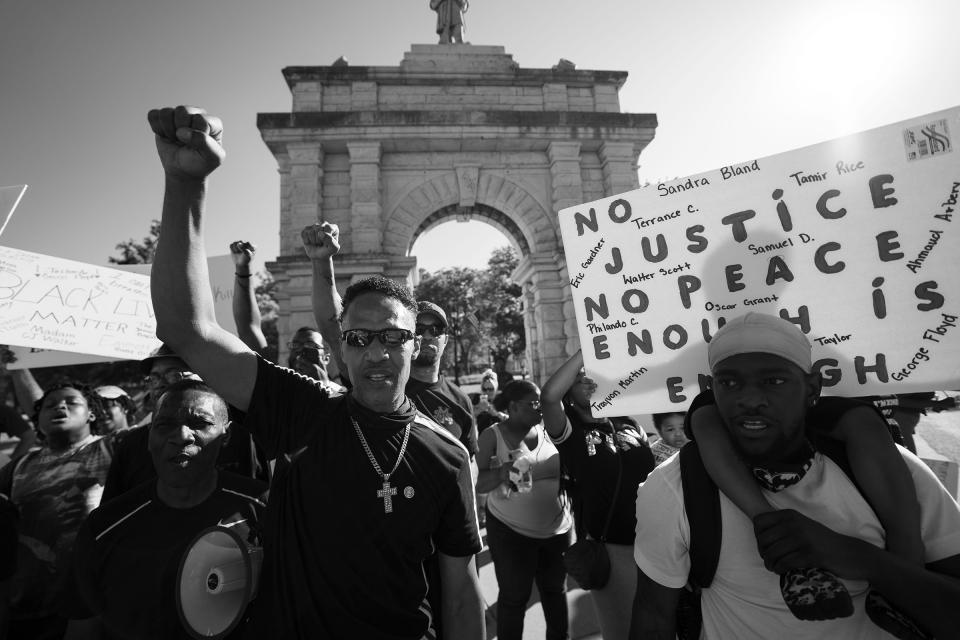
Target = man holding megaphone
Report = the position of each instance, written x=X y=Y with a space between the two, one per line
x=129 y=550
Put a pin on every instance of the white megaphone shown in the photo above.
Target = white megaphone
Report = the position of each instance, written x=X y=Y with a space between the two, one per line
x=217 y=579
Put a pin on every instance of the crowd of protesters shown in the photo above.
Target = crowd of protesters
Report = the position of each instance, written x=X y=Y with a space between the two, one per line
x=365 y=474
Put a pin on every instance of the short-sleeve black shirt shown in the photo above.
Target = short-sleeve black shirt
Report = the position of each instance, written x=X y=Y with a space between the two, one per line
x=129 y=550
x=448 y=406
x=335 y=564
x=594 y=473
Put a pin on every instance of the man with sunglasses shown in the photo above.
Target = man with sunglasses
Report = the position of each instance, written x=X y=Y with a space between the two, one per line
x=431 y=392
x=310 y=356
x=373 y=487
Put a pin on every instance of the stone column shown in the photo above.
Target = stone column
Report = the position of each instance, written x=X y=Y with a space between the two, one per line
x=366 y=233
x=567 y=183
x=543 y=310
x=286 y=199
x=619 y=163
x=306 y=193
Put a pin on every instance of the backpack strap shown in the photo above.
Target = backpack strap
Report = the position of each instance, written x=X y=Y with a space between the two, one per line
x=701 y=501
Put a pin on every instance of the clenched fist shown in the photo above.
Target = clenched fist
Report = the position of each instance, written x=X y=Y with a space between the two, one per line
x=242 y=253
x=189 y=141
x=321 y=241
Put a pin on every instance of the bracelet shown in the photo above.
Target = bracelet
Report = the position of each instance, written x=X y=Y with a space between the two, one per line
x=240 y=275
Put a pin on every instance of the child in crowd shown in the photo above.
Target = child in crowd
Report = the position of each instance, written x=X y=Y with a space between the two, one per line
x=54 y=487
x=878 y=469
x=672 y=437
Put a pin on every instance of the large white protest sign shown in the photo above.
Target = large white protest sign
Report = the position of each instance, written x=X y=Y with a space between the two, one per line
x=854 y=240
x=50 y=300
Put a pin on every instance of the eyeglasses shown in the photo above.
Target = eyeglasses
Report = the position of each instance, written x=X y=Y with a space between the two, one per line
x=534 y=404
x=487 y=389
x=364 y=337
x=435 y=330
x=297 y=346
x=172 y=376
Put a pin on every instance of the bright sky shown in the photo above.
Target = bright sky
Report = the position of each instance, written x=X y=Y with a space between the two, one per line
x=729 y=81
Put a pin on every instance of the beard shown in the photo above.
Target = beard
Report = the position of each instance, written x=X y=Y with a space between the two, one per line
x=426 y=358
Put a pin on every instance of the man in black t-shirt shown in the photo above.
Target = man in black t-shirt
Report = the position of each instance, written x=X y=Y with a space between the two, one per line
x=373 y=487
x=430 y=390
x=432 y=393
x=129 y=550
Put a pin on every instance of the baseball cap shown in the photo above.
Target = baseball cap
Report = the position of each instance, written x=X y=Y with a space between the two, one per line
x=110 y=392
x=432 y=309
x=163 y=351
x=760 y=333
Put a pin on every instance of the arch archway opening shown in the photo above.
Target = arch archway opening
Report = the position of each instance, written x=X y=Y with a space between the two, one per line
x=465 y=258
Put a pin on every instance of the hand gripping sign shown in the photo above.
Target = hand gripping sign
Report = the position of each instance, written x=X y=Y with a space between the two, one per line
x=854 y=240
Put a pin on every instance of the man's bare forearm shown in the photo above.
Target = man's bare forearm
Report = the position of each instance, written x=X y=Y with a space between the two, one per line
x=927 y=594
x=182 y=300
x=327 y=305
x=246 y=313
x=26 y=389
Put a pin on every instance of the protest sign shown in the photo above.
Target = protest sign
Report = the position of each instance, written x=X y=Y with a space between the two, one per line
x=49 y=302
x=854 y=240
x=221 y=272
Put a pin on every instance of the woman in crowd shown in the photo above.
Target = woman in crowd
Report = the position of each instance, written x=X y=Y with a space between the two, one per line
x=528 y=524
x=54 y=487
x=594 y=453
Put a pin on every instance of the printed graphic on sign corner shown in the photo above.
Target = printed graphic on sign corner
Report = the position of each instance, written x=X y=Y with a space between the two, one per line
x=929 y=139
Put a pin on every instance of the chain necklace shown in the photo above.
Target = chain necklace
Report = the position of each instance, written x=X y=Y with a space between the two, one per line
x=387 y=492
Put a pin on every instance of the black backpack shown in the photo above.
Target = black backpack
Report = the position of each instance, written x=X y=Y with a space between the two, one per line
x=701 y=500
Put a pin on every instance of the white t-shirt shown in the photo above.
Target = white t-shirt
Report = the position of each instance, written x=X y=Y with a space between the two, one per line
x=744 y=599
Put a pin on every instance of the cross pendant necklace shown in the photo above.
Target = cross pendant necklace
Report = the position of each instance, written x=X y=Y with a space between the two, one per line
x=387 y=492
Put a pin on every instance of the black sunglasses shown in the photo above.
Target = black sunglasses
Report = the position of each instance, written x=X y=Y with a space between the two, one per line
x=364 y=337
x=435 y=330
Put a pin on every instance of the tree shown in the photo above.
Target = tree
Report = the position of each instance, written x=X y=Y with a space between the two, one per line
x=133 y=252
x=266 y=292
x=502 y=306
x=455 y=291
x=487 y=295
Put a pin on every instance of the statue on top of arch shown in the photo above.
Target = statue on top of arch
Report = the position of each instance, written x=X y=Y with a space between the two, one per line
x=450 y=23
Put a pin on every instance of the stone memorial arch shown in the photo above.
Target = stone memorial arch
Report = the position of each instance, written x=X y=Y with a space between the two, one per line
x=455 y=131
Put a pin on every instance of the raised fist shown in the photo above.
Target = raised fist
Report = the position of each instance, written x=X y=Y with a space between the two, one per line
x=189 y=141
x=321 y=241
x=242 y=253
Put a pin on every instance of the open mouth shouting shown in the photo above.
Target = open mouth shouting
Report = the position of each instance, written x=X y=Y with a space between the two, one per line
x=181 y=459
x=752 y=424
x=379 y=376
